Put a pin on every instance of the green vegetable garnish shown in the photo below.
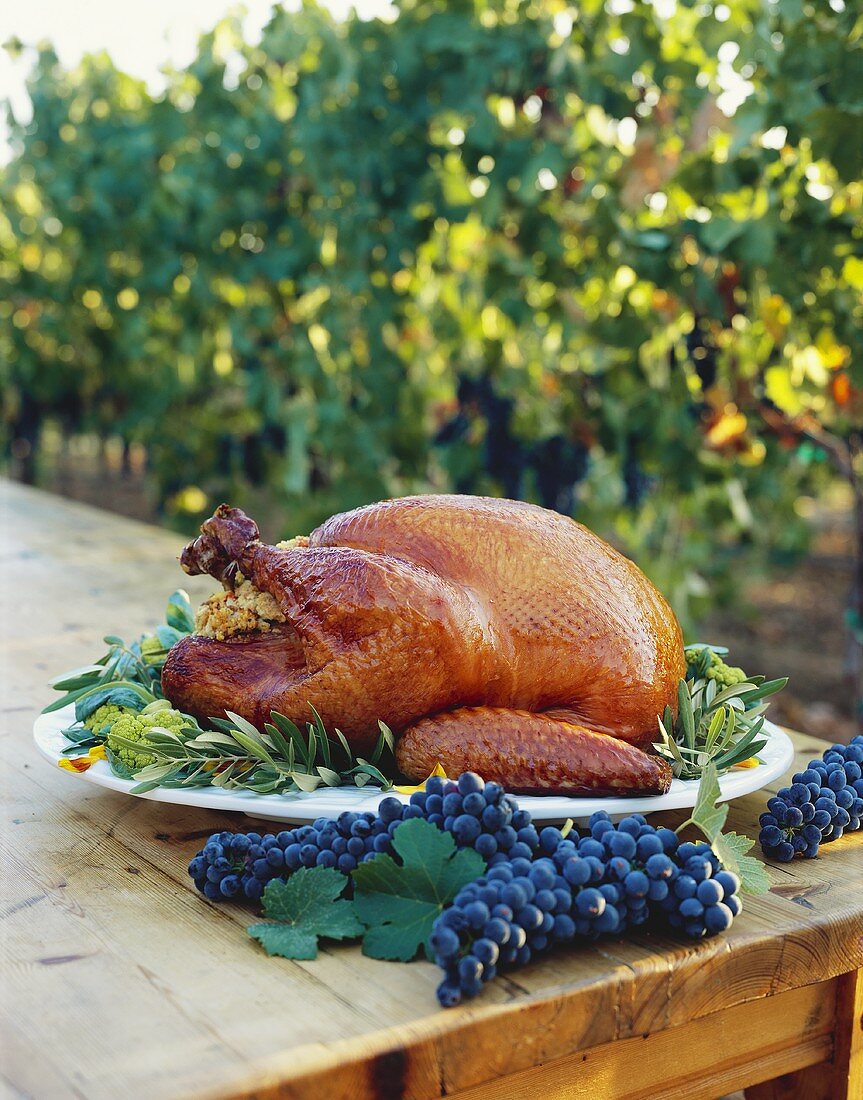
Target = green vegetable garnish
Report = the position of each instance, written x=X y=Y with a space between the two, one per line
x=719 y=715
x=128 y=733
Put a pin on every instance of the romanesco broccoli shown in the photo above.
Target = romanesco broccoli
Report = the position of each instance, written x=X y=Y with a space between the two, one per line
x=725 y=675
x=152 y=650
x=134 y=727
x=707 y=663
x=101 y=720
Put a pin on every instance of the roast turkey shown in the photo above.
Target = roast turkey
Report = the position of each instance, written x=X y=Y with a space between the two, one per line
x=490 y=635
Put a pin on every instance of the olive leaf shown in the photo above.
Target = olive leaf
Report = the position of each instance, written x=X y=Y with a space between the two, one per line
x=719 y=727
x=238 y=756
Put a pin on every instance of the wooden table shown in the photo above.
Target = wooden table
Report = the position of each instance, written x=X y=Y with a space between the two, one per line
x=120 y=980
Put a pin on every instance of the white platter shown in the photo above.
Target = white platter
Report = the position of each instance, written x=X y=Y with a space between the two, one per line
x=776 y=756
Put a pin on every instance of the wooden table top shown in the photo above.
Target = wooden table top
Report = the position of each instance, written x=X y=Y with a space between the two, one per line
x=119 y=979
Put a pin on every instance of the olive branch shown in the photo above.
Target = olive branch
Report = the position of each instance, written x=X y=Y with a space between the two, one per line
x=235 y=755
x=715 y=726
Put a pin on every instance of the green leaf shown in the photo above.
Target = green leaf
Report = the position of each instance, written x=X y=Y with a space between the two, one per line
x=86 y=676
x=117 y=765
x=731 y=755
x=343 y=741
x=79 y=749
x=283 y=748
x=254 y=747
x=716 y=727
x=731 y=849
x=122 y=694
x=769 y=687
x=248 y=737
x=399 y=901
x=80 y=735
x=363 y=767
x=179 y=613
x=153 y=776
x=323 y=739
x=304 y=909
x=687 y=718
x=707 y=816
x=169 y=636
x=745 y=752
x=288 y=729
x=306 y=782
x=64 y=700
x=385 y=743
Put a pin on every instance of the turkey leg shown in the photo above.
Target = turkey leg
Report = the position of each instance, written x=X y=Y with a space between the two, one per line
x=529 y=753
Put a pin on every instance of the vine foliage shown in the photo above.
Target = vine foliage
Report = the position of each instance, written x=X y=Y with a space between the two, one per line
x=607 y=258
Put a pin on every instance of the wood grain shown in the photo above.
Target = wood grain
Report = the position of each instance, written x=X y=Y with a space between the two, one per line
x=702 y=1059
x=118 y=979
x=841 y=1076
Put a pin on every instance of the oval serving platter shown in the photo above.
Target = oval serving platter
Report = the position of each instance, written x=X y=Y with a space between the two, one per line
x=776 y=756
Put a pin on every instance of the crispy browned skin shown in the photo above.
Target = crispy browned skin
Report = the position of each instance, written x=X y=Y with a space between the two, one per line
x=410 y=609
x=531 y=753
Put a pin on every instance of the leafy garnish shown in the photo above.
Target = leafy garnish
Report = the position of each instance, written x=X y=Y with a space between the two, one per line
x=138 y=663
x=302 y=910
x=730 y=848
x=235 y=755
x=399 y=902
x=720 y=715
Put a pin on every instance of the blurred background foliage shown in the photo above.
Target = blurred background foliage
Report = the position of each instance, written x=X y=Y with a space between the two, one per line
x=606 y=257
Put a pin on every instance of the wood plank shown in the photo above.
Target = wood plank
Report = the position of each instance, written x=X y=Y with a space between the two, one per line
x=701 y=1059
x=117 y=977
x=848 y=1052
x=840 y=1078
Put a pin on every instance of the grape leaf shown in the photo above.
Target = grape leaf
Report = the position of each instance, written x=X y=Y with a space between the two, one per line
x=398 y=902
x=731 y=849
x=706 y=814
x=303 y=909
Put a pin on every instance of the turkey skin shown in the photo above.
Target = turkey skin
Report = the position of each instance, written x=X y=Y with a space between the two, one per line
x=490 y=635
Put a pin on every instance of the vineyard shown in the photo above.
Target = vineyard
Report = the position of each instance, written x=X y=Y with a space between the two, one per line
x=610 y=260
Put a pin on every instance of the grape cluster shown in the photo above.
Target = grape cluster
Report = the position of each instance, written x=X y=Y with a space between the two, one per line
x=604 y=882
x=239 y=865
x=500 y=918
x=479 y=815
x=823 y=802
x=623 y=855
x=540 y=888
x=642 y=871
x=702 y=897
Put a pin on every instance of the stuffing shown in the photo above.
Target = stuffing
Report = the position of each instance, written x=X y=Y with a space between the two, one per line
x=244 y=610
